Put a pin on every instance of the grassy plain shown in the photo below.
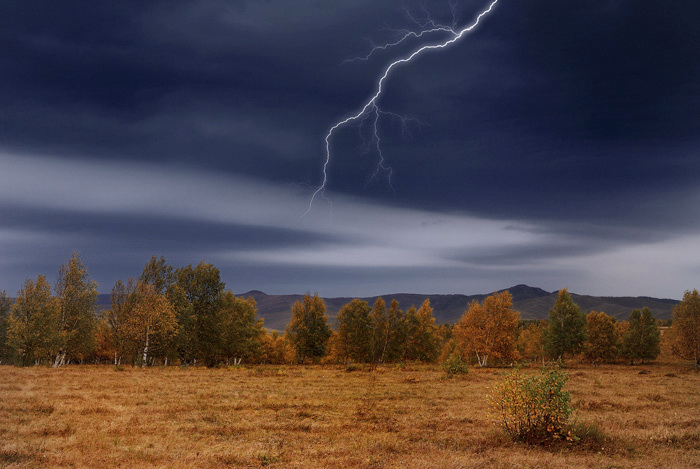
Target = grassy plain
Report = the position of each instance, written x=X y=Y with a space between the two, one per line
x=277 y=416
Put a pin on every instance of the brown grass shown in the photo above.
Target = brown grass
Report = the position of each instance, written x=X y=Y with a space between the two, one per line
x=272 y=416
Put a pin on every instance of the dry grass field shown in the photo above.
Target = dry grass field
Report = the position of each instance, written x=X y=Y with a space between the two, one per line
x=85 y=416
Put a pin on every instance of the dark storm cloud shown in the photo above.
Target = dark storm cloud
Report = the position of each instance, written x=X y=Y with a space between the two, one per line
x=120 y=244
x=135 y=80
x=542 y=92
x=157 y=233
x=562 y=240
x=577 y=119
x=565 y=110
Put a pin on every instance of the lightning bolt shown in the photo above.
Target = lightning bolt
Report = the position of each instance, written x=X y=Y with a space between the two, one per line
x=371 y=108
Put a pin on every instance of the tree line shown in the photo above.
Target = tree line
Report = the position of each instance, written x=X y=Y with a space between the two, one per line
x=185 y=315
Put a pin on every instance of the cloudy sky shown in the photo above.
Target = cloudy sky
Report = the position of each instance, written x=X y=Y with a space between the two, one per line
x=557 y=144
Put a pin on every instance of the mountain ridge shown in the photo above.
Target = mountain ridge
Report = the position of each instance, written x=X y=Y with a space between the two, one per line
x=531 y=302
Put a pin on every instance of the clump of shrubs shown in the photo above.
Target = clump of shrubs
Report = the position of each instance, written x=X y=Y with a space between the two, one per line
x=454 y=366
x=534 y=409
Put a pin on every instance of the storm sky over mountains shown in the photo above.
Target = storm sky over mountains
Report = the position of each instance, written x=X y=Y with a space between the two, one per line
x=558 y=144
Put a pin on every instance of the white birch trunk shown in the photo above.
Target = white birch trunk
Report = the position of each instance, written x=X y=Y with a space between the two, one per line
x=145 y=351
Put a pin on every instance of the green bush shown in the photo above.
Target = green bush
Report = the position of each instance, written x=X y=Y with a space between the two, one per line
x=534 y=408
x=454 y=365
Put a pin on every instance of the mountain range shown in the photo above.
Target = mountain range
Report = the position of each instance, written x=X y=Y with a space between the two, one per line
x=531 y=302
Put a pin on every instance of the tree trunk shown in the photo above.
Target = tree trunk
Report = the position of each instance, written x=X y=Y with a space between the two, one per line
x=60 y=359
x=145 y=352
x=386 y=343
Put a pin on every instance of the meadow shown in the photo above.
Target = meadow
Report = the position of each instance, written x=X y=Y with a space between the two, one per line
x=326 y=416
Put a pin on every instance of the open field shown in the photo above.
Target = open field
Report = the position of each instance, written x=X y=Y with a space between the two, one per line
x=85 y=416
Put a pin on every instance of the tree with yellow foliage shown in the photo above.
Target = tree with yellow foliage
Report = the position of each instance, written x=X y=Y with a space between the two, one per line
x=117 y=317
x=603 y=337
x=530 y=341
x=423 y=342
x=34 y=325
x=150 y=322
x=5 y=306
x=77 y=297
x=275 y=349
x=488 y=330
x=354 y=335
x=240 y=329
x=685 y=329
x=308 y=331
x=395 y=333
x=379 y=326
x=104 y=342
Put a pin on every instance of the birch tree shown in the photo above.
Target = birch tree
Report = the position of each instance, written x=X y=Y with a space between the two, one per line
x=685 y=330
x=566 y=328
x=241 y=331
x=395 y=336
x=196 y=295
x=308 y=331
x=150 y=322
x=422 y=341
x=77 y=297
x=117 y=317
x=354 y=340
x=158 y=274
x=603 y=337
x=530 y=344
x=642 y=338
x=34 y=324
x=379 y=328
x=488 y=331
x=5 y=305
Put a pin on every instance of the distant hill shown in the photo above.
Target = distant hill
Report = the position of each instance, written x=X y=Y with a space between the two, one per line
x=104 y=301
x=532 y=302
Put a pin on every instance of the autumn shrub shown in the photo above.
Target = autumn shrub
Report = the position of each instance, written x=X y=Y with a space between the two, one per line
x=534 y=408
x=454 y=365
